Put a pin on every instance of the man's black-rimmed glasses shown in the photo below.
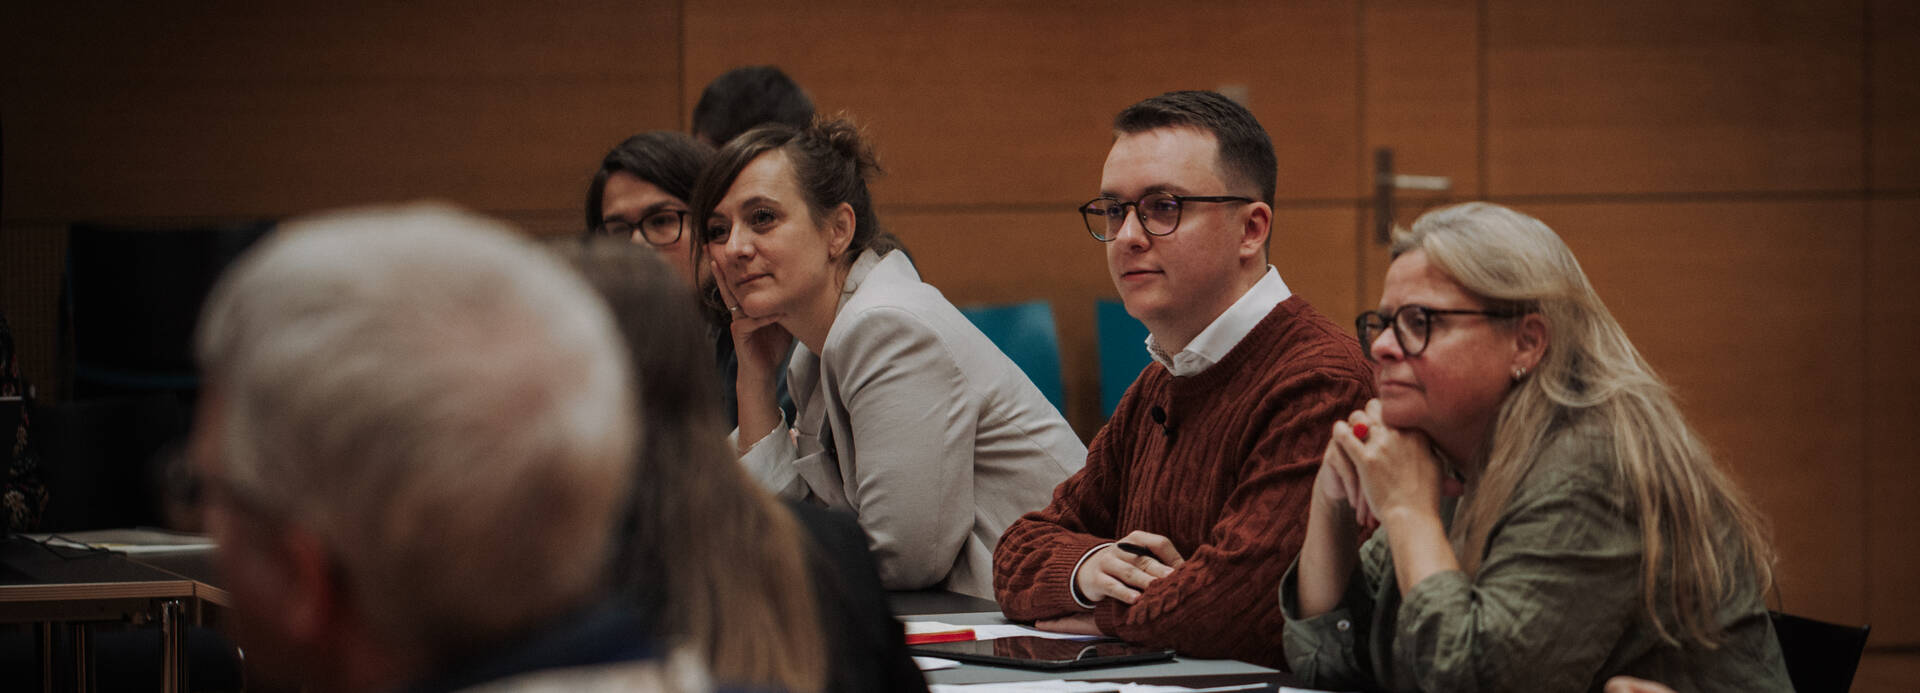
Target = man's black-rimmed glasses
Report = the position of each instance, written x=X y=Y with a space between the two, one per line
x=1159 y=213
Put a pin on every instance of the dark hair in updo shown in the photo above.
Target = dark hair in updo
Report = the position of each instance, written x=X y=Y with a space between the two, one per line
x=831 y=164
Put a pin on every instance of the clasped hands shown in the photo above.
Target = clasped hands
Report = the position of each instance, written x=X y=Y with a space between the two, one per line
x=1373 y=470
x=1115 y=573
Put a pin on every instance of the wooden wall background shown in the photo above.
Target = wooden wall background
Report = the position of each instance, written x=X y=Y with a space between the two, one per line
x=1741 y=179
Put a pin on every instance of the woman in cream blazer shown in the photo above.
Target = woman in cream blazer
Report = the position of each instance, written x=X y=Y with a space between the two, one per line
x=905 y=414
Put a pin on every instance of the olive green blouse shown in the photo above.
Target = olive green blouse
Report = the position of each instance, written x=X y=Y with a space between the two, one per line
x=1556 y=605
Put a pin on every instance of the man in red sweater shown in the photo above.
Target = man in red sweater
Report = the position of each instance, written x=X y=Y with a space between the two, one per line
x=1194 y=497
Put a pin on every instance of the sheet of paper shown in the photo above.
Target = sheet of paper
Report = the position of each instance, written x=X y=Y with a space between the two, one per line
x=1062 y=686
x=934 y=663
x=1053 y=686
x=990 y=632
x=137 y=540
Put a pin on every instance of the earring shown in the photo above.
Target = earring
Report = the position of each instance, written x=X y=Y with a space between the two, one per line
x=1519 y=372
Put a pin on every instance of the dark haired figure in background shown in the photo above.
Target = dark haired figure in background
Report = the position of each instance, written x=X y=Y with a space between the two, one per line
x=743 y=584
x=1207 y=465
x=906 y=414
x=640 y=194
x=747 y=97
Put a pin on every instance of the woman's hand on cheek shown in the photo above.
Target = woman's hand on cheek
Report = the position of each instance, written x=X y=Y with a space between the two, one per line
x=758 y=340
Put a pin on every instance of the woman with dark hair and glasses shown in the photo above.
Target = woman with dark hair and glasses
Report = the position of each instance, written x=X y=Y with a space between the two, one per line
x=1594 y=535
x=906 y=415
x=640 y=193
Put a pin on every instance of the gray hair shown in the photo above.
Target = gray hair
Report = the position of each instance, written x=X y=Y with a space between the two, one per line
x=444 y=404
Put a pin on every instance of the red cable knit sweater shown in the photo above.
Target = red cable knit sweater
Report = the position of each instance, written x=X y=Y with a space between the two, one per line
x=1229 y=486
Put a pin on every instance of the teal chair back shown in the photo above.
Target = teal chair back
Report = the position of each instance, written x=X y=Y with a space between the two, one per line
x=1123 y=351
x=1024 y=331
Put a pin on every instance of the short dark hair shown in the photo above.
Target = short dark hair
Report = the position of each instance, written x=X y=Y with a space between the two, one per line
x=831 y=165
x=1245 y=156
x=748 y=97
x=669 y=160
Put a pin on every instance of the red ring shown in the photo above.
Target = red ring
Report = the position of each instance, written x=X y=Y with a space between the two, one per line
x=1360 y=431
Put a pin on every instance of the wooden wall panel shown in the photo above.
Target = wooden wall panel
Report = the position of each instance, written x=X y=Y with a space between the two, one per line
x=1893 y=408
x=1421 y=83
x=1894 y=94
x=1004 y=257
x=1008 y=103
x=1314 y=250
x=1886 y=672
x=1420 y=78
x=1752 y=313
x=1649 y=96
x=135 y=110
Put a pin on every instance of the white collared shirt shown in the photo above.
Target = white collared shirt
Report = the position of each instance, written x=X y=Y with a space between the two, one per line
x=1226 y=331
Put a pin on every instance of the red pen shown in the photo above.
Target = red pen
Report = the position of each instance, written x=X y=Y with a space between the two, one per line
x=960 y=635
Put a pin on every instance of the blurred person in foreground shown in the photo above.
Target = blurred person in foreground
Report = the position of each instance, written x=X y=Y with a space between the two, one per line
x=1594 y=535
x=718 y=563
x=415 y=440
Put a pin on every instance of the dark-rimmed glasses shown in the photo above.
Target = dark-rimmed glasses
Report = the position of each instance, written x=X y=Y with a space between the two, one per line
x=662 y=227
x=1159 y=213
x=1412 y=326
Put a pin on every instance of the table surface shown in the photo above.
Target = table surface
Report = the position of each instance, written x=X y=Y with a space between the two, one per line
x=1182 y=671
x=196 y=565
x=936 y=602
x=32 y=572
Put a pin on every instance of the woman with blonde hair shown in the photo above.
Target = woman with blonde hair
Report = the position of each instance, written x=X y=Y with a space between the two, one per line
x=1594 y=536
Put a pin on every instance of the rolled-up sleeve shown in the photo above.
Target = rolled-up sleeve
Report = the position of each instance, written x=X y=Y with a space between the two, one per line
x=1330 y=650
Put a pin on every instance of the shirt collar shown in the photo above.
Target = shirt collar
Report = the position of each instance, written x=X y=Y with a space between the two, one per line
x=1226 y=331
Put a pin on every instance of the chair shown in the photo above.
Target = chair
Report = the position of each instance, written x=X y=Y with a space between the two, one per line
x=1024 y=331
x=1123 y=351
x=1820 y=656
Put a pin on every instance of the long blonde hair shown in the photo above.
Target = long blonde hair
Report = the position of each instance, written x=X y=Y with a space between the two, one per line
x=1592 y=373
x=721 y=563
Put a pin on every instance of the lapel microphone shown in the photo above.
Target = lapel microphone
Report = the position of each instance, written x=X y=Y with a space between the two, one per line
x=1160 y=417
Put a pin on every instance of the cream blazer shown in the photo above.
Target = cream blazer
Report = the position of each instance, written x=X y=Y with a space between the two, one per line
x=915 y=422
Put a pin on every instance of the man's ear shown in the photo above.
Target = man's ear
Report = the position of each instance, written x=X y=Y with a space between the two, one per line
x=315 y=593
x=840 y=228
x=1254 y=234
